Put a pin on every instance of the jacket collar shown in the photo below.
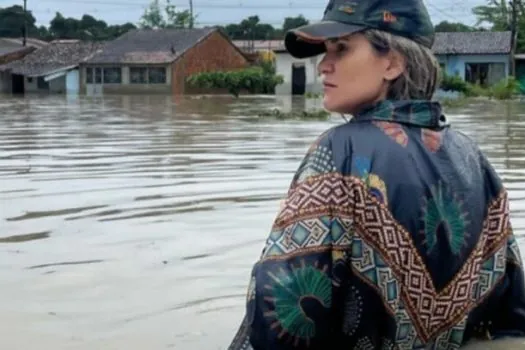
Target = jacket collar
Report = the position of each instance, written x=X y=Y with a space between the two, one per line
x=422 y=113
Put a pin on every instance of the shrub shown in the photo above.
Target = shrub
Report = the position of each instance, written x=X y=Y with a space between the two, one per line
x=256 y=80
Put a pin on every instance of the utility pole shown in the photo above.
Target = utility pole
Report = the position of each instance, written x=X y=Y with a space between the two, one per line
x=25 y=24
x=191 y=14
x=514 y=35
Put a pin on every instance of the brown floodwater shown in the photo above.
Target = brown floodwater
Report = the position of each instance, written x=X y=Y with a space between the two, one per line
x=132 y=222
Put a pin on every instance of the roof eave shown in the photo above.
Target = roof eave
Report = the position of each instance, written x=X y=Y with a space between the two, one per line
x=125 y=63
x=54 y=71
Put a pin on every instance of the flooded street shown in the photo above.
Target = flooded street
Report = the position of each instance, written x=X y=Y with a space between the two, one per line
x=132 y=222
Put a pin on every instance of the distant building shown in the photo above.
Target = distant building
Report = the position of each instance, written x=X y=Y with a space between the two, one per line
x=13 y=49
x=158 y=61
x=299 y=75
x=253 y=46
x=52 y=68
x=477 y=57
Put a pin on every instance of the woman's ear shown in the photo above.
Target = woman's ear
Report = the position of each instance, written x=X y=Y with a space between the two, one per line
x=396 y=66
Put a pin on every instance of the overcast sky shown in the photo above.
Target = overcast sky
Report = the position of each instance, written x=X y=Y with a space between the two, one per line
x=212 y=12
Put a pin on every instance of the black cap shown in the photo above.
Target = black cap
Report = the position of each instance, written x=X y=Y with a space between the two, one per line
x=407 y=18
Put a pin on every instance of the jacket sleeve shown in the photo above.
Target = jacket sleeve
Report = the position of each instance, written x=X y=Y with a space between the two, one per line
x=510 y=313
x=505 y=315
x=293 y=290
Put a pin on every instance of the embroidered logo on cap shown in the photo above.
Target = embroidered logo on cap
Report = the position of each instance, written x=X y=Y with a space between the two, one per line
x=388 y=17
x=346 y=9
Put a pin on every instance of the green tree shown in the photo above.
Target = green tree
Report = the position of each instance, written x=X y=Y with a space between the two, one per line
x=169 y=17
x=250 y=28
x=446 y=26
x=12 y=22
x=87 y=28
x=178 y=19
x=498 y=15
x=294 y=22
x=152 y=17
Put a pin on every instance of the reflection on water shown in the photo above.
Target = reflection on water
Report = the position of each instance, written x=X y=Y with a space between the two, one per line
x=132 y=221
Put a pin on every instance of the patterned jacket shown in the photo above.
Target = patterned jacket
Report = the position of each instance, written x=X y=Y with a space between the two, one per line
x=394 y=234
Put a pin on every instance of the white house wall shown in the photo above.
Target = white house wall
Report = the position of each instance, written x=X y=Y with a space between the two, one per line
x=68 y=83
x=5 y=82
x=30 y=84
x=58 y=85
x=283 y=66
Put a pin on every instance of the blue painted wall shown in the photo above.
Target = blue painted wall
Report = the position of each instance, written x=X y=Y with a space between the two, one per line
x=455 y=64
x=72 y=82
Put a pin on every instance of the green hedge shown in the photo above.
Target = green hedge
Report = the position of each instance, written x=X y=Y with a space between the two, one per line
x=504 y=89
x=255 y=80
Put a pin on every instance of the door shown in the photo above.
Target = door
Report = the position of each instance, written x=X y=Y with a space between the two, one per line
x=17 y=84
x=298 y=79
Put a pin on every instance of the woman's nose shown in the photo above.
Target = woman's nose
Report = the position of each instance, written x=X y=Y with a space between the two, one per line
x=326 y=66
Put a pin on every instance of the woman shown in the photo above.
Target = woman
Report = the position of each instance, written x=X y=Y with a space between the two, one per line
x=395 y=232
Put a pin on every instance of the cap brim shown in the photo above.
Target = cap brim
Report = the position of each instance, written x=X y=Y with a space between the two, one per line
x=308 y=40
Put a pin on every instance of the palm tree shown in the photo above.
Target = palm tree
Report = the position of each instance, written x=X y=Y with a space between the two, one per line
x=498 y=13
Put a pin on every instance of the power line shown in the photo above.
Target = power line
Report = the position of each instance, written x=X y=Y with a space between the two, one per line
x=513 y=26
x=432 y=6
x=25 y=23
x=191 y=14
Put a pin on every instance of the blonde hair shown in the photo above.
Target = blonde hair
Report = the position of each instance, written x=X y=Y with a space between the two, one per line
x=422 y=74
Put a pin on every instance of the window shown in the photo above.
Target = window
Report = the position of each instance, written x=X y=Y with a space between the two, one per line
x=138 y=75
x=89 y=75
x=157 y=75
x=476 y=73
x=113 y=75
x=147 y=75
x=98 y=75
x=93 y=75
x=485 y=74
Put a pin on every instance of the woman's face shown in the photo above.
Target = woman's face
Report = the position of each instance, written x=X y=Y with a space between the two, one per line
x=354 y=74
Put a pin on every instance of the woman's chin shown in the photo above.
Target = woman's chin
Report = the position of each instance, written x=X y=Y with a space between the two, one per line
x=328 y=104
x=331 y=105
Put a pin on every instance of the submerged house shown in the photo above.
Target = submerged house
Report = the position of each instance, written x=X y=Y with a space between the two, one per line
x=477 y=57
x=158 y=60
x=53 y=68
x=300 y=76
x=13 y=49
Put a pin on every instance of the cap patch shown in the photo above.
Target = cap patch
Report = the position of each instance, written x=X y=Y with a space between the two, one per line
x=346 y=9
x=388 y=17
